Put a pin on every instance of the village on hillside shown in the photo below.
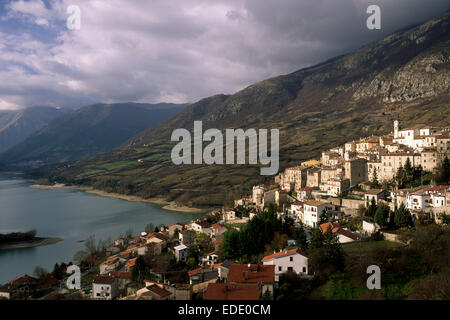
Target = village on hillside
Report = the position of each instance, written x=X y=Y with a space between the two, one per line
x=314 y=225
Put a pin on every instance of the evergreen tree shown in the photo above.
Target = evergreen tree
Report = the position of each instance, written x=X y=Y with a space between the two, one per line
x=400 y=177
x=443 y=172
x=381 y=215
x=371 y=209
x=408 y=168
x=375 y=183
x=140 y=270
x=317 y=239
x=300 y=238
x=323 y=217
x=230 y=245
x=333 y=248
x=402 y=217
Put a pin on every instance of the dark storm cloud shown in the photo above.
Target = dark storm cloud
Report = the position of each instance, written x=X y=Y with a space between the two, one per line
x=178 y=51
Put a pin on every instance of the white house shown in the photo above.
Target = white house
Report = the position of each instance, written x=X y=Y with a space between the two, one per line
x=376 y=194
x=312 y=210
x=287 y=260
x=344 y=236
x=210 y=258
x=109 y=265
x=181 y=252
x=104 y=288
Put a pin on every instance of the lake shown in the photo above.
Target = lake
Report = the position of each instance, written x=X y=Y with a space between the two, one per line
x=69 y=214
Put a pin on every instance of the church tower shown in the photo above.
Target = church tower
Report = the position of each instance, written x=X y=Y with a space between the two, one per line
x=396 y=128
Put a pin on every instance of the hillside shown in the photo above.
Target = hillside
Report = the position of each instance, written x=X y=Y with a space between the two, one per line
x=87 y=131
x=17 y=125
x=404 y=76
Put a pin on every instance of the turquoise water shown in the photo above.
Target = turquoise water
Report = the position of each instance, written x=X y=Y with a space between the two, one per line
x=69 y=214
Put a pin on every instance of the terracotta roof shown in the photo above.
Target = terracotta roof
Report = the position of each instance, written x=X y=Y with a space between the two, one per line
x=21 y=280
x=437 y=188
x=213 y=252
x=338 y=230
x=103 y=280
x=307 y=189
x=284 y=253
x=298 y=203
x=158 y=290
x=157 y=235
x=120 y=275
x=242 y=273
x=130 y=263
x=195 y=271
x=224 y=291
x=282 y=191
x=110 y=261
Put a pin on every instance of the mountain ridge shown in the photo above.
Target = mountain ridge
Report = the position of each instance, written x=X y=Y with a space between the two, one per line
x=403 y=76
x=86 y=131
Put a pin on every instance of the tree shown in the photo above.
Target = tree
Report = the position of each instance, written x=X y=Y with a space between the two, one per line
x=443 y=172
x=140 y=270
x=317 y=239
x=40 y=272
x=129 y=233
x=149 y=227
x=230 y=245
x=402 y=217
x=371 y=209
x=333 y=249
x=375 y=183
x=191 y=262
x=203 y=244
x=400 y=177
x=323 y=217
x=381 y=215
x=408 y=168
x=300 y=238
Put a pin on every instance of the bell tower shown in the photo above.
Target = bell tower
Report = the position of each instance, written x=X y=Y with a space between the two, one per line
x=396 y=128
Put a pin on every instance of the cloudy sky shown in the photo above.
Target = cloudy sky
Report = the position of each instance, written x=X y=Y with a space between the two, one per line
x=176 y=50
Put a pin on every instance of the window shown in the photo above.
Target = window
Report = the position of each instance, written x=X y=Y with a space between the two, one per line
x=291 y=258
x=289 y=268
x=304 y=269
x=280 y=268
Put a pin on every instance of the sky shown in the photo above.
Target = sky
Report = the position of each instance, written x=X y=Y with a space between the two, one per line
x=176 y=50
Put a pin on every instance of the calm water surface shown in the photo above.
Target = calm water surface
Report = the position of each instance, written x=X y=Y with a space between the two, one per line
x=69 y=214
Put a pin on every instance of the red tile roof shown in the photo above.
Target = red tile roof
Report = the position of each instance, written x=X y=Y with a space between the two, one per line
x=158 y=290
x=22 y=280
x=103 y=280
x=298 y=203
x=110 y=261
x=242 y=273
x=336 y=229
x=284 y=253
x=224 y=291
x=307 y=189
x=130 y=263
x=157 y=235
x=195 y=271
x=437 y=188
x=120 y=275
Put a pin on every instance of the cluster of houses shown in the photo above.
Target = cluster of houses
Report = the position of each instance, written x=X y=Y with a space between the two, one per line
x=338 y=183
x=336 y=186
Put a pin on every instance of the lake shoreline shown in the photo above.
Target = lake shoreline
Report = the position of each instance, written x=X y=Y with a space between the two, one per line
x=36 y=242
x=167 y=205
